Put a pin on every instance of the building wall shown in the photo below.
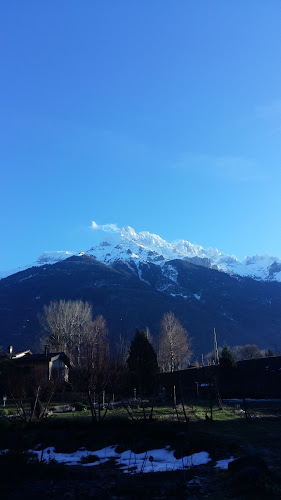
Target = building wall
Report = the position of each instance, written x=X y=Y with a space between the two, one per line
x=252 y=378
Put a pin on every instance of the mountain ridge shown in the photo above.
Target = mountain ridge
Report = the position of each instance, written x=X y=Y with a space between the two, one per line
x=127 y=245
x=132 y=296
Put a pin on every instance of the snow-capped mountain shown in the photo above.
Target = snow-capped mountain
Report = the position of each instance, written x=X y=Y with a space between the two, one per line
x=128 y=245
x=44 y=259
x=124 y=244
x=132 y=279
x=144 y=247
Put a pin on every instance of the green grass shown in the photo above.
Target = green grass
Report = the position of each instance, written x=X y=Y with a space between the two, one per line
x=228 y=433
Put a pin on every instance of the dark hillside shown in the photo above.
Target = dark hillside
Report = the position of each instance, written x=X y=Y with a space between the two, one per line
x=242 y=310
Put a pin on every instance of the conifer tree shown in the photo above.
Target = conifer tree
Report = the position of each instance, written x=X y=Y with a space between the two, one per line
x=227 y=359
x=142 y=364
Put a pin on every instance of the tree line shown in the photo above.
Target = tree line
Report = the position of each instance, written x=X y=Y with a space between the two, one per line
x=240 y=353
x=69 y=327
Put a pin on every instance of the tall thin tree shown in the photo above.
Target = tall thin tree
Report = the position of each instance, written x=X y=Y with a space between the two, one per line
x=174 y=349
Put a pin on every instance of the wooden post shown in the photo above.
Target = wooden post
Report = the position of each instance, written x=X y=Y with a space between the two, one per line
x=174 y=396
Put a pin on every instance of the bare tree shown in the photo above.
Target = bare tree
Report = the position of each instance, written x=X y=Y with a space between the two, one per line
x=174 y=350
x=248 y=351
x=65 y=324
x=94 y=362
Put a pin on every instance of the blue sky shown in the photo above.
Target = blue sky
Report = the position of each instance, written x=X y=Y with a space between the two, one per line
x=161 y=115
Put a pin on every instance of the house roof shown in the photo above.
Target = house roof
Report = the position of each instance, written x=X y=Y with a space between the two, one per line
x=15 y=354
x=27 y=357
x=41 y=358
x=20 y=354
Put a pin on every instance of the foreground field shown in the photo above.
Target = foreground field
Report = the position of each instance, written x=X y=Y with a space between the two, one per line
x=232 y=433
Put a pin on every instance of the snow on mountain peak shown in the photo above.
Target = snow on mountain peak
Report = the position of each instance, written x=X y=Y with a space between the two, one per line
x=52 y=257
x=126 y=244
x=113 y=243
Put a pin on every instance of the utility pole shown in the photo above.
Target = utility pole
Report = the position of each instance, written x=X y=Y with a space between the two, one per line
x=216 y=352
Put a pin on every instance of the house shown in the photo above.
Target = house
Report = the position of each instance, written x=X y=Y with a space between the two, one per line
x=41 y=367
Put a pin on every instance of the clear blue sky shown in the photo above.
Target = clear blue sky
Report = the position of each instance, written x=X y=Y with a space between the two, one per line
x=161 y=115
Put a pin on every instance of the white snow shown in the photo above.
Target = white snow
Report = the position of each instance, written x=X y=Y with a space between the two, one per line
x=198 y=297
x=75 y=458
x=150 y=247
x=179 y=295
x=170 y=272
x=126 y=244
x=52 y=257
x=26 y=278
x=45 y=258
x=158 y=460
x=141 y=278
x=223 y=464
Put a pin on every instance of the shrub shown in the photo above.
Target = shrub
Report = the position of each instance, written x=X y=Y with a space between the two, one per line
x=79 y=406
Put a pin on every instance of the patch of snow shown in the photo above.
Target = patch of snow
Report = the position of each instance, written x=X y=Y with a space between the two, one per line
x=223 y=464
x=130 y=267
x=45 y=258
x=52 y=257
x=170 y=272
x=198 y=297
x=75 y=458
x=141 y=278
x=26 y=278
x=158 y=460
x=179 y=295
x=227 y=316
x=164 y=287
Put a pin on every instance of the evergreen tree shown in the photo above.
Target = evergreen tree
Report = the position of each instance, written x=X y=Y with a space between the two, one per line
x=227 y=359
x=269 y=353
x=142 y=364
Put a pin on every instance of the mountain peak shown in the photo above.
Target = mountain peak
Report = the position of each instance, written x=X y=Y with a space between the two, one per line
x=115 y=244
x=144 y=246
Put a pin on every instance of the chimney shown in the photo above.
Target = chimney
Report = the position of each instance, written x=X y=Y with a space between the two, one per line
x=46 y=350
x=10 y=349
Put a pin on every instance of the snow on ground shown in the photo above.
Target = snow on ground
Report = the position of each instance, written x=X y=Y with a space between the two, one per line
x=158 y=460
x=75 y=458
x=223 y=464
x=161 y=460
